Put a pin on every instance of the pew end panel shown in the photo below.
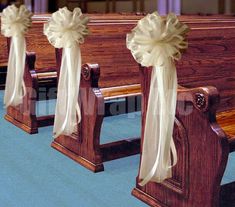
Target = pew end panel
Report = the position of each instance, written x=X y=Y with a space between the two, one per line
x=202 y=147
x=84 y=147
x=24 y=115
x=118 y=77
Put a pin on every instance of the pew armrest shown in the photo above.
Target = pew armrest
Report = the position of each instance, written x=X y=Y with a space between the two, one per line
x=204 y=99
x=200 y=104
x=91 y=72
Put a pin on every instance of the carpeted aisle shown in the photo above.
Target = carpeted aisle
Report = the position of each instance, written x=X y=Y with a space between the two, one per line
x=32 y=174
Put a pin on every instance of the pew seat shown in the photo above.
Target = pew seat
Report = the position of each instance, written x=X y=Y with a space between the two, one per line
x=226 y=120
x=46 y=79
x=121 y=91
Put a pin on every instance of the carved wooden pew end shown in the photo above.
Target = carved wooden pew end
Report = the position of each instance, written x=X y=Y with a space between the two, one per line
x=85 y=147
x=203 y=141
x=24 y=115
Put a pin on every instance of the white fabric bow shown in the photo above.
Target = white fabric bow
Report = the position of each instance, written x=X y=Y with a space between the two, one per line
x=157 y=42
x=15 y=23
x=67 y=30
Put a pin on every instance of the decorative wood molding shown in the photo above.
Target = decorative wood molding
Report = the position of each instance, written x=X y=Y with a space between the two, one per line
x=179 y=183
x=200 y=101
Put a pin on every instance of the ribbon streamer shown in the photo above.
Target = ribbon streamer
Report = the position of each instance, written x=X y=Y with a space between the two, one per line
x=157 y=42
x=15 y=23
x=67 y=30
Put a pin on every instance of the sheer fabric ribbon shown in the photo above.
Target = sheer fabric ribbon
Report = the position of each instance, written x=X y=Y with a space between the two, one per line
x=67 y=30
x=157 y=42
x=15 y=23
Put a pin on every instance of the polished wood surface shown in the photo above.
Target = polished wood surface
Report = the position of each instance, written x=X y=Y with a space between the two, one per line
x=204 y=128
x=36 y=81
x=210 y=60
x=118 y=73
x=226 y=120
x=3 y=51
x=120 y=91
x=202 y=148
x=105 y=48
x=111 y=72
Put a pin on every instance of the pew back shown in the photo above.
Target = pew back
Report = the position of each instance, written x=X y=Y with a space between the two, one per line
x=203 y=139
x=3 y=51
x=106 y=45
x=37 y=42
x=210 y=60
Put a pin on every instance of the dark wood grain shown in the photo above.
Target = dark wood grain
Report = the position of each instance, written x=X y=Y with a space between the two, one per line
x=208 y=61
x=84 y=146
x=204 y=128
x=3 y=61
x=24 y=115
x=3 y=51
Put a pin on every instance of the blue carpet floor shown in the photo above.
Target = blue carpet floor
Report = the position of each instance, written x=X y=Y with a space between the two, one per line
x=32 y=174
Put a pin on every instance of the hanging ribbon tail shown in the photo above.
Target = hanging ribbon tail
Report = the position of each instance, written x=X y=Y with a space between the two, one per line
x=15 y=86
x=67 y=114
x=158 y=42
x=67 y=29
x=156 y=163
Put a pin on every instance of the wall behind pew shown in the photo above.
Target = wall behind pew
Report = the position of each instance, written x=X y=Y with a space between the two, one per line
x=150 y=6
x=188 y=6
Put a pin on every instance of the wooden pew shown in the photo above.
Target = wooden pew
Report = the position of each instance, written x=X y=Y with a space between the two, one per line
x=111 y=80
x=40 y=78
x=35 y=33
x=115 y=80
x=43 y=80
x=204 y=131
x=110 y=73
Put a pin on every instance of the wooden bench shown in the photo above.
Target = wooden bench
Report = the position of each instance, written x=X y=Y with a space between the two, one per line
x=110 y=73
x=117 y=77
x=43 y=81
x=40 y=78
x=204 y=131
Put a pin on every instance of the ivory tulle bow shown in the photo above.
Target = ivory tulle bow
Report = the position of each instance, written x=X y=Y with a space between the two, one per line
x=157 y=42
x=15 y=23
x=67 y=30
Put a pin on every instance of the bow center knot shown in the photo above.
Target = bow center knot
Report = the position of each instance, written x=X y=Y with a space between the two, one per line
x=15 y=21
x=66 y=28
x=155 y=41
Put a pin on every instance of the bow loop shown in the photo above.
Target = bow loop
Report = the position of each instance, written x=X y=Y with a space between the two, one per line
x=155 y=40
x=66 y=28
x=15 y=21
